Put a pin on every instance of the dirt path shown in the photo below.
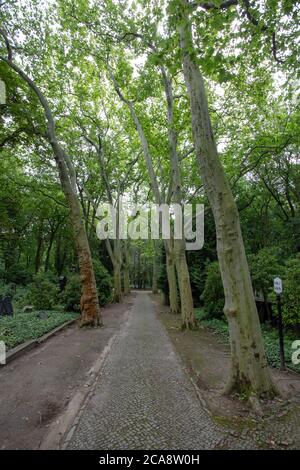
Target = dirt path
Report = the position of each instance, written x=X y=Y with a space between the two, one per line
x=142 y=398
x=37 y=387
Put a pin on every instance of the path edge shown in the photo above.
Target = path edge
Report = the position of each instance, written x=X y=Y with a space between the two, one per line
x=62 y=429
x=23 y=348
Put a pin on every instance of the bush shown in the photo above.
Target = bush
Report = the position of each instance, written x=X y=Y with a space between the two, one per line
x=197 y=278
x=70 y=296
x=18 y=274
x=20 y=296
x=213 y=294
x=104 y=282
x=7 y=290
x=43 y=293
x=264 y=267
x=291 y=292
x=162 y=280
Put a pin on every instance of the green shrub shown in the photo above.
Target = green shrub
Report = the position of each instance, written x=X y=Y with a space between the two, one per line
x=70 y=296
x=18 y=274
x=7 y=290
x=43 y=294
x=264 y=267
x=213 y=294
x=291 y=292
x=104 y=282
x=162 y=280
x=20 y=297
x=197 y=278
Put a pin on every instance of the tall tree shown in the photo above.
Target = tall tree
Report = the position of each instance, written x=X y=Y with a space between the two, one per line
x=89 y=303
x=171 y=273
x=175 y=248
x=249 y=371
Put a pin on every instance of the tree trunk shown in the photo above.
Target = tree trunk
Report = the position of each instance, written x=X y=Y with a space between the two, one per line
x=39 y=249
x=117 y=270
x=186 y=298
x=154 y=271
x=89 y=303
x=117 y=283
x=171 y=274
x=115 y=254
x=156 y=192
x=126 y=269
x=47 y=260
x=249 y=371
x=175 y=196
x=126 y=280
x=51 y=240
x=60 y=255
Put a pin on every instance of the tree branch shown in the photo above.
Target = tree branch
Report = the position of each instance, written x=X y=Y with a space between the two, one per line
x=211 y=6
x=7 y=44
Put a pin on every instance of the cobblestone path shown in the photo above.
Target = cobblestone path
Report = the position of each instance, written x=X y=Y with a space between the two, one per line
x=143 y=399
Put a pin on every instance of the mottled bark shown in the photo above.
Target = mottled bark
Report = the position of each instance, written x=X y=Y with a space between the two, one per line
x=89 y=302
x=249 y=371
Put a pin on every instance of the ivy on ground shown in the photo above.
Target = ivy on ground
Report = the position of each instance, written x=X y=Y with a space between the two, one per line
x=25 y=326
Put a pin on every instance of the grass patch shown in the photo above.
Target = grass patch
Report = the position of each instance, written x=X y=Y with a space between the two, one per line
x=270 y=337
x=25 y=326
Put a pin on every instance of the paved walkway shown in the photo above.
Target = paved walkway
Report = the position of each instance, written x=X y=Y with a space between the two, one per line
x=143 y=399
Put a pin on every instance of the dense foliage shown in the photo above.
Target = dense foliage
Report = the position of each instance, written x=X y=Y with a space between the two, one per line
x=291 y=293
x=213 y=294
x=43 y=294
x=77 y=51
x=70 y=296
x=270 y=336
x=25 y=326
x=264 y=268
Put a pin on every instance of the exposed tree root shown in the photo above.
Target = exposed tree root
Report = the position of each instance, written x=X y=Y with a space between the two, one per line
x=252 y=393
